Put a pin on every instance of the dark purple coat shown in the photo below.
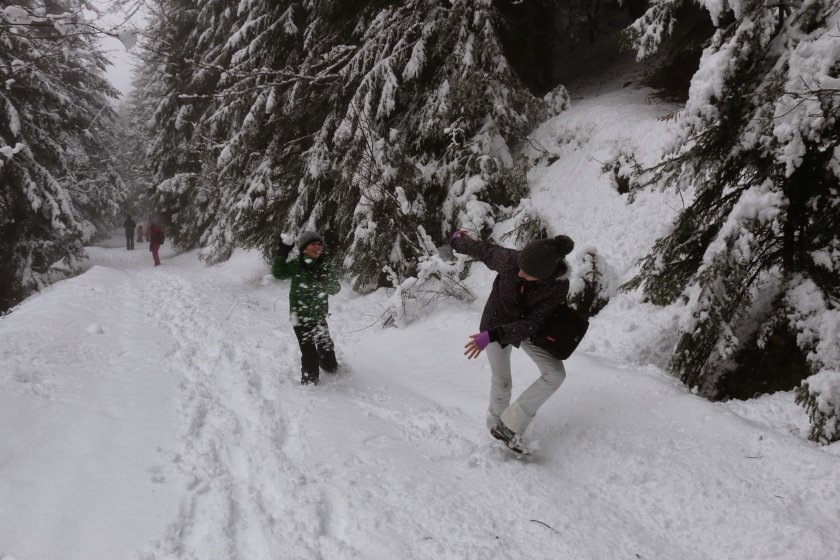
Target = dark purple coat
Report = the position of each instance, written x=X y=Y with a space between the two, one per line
x=516 y=307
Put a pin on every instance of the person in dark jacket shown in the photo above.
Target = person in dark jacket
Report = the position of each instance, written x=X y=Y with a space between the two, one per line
x=129 y=224
x=313 y=280
x=156 y=239
x=530 y=285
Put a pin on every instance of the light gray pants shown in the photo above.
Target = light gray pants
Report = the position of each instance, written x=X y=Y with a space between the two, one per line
x=518 y=415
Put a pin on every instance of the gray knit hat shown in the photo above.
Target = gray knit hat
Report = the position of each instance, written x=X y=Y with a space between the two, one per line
x=543 y=258
x=306 y=238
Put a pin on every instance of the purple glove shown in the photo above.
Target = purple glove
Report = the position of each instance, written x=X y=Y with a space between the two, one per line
x=456 y=234
x=482 y=340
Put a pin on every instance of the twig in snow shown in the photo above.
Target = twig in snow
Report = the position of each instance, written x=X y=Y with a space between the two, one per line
x=363 y=328
x=546 y=524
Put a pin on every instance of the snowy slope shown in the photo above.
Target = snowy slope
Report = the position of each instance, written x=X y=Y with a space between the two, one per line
x=156 y=413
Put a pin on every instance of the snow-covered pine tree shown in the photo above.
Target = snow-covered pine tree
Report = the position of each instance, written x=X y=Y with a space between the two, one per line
x=229 y=124
x=374 y=123
x=755 y=255
x=592 y=281
x=422 y=142
x=58 y=187
x=819 y=395
x=280 y=85
x=180 y=70
x=130 y=144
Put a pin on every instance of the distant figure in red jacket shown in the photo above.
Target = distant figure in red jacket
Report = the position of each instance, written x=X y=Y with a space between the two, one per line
x=156 y=240
x=139 y=233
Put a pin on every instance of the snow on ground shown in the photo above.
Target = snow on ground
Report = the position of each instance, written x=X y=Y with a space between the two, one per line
x=156 y=413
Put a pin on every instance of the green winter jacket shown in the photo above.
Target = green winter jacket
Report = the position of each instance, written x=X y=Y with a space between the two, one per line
x=312 y=284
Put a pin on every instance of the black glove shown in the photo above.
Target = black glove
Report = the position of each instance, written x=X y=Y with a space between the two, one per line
x=283 y=250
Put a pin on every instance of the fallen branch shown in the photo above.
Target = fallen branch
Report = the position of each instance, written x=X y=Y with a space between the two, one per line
x=546 y=524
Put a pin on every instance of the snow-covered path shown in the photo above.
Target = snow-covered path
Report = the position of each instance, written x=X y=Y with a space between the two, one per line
x=156 y=413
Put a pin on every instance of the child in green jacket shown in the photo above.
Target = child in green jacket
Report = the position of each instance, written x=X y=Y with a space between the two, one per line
x=313 y=280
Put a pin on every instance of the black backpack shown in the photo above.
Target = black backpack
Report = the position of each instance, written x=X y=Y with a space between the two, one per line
x=562 y=332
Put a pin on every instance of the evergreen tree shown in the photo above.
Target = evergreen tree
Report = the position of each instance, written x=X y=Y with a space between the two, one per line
x=382 y=124
x=755 y=255
x=58 y=187
x=425 y=138
x=130 y=142
x=173 y=89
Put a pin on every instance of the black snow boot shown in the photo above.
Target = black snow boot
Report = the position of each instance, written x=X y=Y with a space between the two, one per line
x=508 y=437
x=309 y=379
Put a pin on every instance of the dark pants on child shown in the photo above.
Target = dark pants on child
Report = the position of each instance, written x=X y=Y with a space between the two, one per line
x=317 y=351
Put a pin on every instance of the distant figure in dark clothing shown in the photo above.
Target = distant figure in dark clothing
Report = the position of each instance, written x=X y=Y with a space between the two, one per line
x=139 y=233
x=129 y=233
x=155 y=234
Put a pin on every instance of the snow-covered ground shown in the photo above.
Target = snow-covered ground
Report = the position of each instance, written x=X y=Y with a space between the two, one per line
x=157 y=413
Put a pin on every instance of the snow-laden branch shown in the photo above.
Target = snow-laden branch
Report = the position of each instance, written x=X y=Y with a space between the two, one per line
x=14 y=20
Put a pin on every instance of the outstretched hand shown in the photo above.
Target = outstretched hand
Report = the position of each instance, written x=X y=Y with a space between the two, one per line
x=478 y=343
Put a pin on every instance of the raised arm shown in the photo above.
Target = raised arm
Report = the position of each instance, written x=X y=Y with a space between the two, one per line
x=282 y=268
x=494 y=257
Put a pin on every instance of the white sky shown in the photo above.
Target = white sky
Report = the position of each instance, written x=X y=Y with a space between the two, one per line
x=120 y=72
